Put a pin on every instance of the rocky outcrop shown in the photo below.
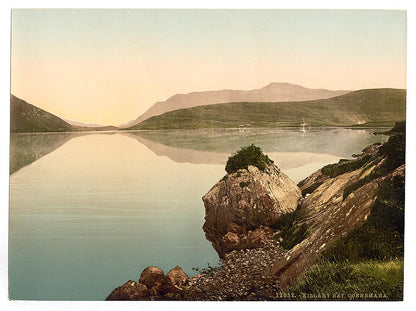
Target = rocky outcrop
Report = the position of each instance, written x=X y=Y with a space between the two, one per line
x=153 y=285
x=329 y=216
x=241 y=208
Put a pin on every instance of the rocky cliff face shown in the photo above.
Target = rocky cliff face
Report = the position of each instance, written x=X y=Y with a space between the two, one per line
x=241 y=208
x=331 y=212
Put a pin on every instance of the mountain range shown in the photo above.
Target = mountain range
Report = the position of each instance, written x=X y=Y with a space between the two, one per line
x=274 y=92
x=278 y=104
x=371 y=108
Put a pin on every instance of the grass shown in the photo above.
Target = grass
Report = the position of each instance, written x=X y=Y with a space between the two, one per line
x=370 y=280
x=248 y=155
x=374 y=107
x=344 y=166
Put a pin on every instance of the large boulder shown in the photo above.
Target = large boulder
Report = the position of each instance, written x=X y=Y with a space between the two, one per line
x=129 y=291
x=244 y=201
x=177 y=277
x=152 y=275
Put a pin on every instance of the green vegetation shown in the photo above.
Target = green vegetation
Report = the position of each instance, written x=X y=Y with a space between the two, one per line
x=244 y=184
x=290 y=231
x=248 y=155
x=381 y=237
x=344 y=166
x=26 y=118
x=393 y=154
x=375 y=107
x=371 y=280
x=369 y=259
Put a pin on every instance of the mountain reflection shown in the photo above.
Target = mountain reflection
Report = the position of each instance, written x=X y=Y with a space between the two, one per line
x=27 y=148
x=285 y=160
x=288 y=147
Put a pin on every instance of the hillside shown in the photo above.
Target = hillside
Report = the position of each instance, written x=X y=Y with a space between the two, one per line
x=274 y=92
x=372 y=107
x=26 y=118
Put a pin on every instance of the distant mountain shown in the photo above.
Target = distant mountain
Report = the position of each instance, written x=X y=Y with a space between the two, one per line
x=80 y=124
x=274 y=92
x=372 y=107
x=26 y=118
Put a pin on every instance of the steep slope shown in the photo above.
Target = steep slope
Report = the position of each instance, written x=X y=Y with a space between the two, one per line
x=26 y=118
x=372 y=107
x=274 y=92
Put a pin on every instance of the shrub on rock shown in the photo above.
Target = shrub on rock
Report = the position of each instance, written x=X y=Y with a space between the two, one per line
x=248 y=155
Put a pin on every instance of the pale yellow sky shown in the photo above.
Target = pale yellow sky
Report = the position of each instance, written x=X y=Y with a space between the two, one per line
x=110 y=66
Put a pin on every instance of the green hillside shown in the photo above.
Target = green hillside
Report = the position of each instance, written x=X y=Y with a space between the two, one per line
x=372 y=107
x=26 y=118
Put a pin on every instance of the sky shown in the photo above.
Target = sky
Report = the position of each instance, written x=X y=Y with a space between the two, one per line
x=109 y=66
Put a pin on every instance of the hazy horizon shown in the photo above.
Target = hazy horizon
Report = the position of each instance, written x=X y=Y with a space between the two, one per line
x=108 y=66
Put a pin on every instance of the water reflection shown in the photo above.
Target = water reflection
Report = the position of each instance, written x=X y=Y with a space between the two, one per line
x=337 y=141
x=28 y=148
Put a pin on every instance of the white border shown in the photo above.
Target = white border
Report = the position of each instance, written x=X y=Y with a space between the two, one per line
x=6 y=6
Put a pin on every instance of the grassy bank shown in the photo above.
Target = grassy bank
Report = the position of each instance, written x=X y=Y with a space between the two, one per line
x=368 y=280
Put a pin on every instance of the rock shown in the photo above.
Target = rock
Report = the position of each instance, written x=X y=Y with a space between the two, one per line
x=233 y=227
x=151 y=275
x=176 y=277
x=244 y=201
x=129 y=291
x=230 y=241
x=257 y=238
x=329 y=216
x=371 y=150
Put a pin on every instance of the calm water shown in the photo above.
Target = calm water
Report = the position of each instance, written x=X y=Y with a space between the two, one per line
x=90 y=211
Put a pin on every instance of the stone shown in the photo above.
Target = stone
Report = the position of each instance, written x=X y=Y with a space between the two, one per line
x=230 y=241
x=130 y=290
x=233 y=227
x=257 y=238
x=177 y=277
x=232 y=210
x=151 y=275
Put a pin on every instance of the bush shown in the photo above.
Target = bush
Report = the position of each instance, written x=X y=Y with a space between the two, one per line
x=248 y=155
x=244 y=184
